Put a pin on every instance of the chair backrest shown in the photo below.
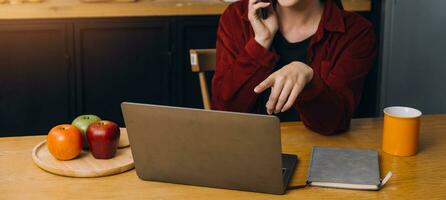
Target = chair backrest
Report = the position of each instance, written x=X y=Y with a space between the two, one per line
x=203 y=60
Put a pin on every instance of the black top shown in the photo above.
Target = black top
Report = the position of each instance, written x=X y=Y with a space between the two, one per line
x=288 y=53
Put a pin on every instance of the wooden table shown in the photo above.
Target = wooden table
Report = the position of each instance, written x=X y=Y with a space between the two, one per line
x=419 y=177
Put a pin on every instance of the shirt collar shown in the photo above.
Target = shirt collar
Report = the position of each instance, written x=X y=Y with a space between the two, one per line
x=332 y=21
x=332 y=18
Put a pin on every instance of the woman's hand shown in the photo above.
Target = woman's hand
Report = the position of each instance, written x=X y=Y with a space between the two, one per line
x=264 y=29
x=285 y=84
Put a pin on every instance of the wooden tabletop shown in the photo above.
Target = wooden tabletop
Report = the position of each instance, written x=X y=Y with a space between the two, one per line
x=54 y=9
x=418 y=177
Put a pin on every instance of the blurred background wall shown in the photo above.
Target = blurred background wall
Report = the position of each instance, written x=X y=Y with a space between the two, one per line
x=413 y=55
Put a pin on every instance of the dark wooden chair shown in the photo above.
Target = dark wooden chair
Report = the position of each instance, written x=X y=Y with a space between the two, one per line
x=202 y=61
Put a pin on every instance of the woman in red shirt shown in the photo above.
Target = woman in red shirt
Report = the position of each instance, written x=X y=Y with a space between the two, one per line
x=306 y=60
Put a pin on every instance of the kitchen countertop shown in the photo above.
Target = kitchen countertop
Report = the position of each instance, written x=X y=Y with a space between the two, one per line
x=59 y=9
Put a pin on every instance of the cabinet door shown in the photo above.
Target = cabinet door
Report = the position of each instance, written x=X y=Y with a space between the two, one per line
x=192 y=33
x=121 y=60
x=35 y=78
x=413 y=55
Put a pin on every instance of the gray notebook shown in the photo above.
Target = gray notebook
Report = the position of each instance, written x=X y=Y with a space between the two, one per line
x=345 y=168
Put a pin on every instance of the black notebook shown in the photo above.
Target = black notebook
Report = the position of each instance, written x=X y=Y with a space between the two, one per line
x=345 y=168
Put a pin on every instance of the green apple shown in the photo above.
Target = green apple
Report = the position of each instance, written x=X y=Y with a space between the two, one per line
x=82 y=122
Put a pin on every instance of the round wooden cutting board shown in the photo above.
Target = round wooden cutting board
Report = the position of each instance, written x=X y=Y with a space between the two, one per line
x=85 y=165
x=123 y=138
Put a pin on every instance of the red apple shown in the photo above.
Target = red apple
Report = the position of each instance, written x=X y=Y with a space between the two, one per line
x=82 y=122
x=103 y=139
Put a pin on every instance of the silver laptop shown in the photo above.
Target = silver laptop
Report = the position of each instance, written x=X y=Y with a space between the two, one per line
x=208 y=148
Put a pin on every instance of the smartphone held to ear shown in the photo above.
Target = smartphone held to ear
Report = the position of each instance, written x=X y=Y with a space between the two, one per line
x=263 y=12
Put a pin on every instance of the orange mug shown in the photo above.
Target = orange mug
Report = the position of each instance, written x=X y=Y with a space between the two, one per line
x=401 y=130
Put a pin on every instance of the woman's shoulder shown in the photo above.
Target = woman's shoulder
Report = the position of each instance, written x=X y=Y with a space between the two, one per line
x=236 y=10
x=234 y=20
x=354 y=22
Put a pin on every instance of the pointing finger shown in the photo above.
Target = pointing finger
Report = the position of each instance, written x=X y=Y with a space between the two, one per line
x=268 y=82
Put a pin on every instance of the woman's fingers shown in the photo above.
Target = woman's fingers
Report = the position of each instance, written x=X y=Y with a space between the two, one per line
x=293 y=95
x=253 y=7
x=284 y=96
x=271 y=11
x=267 y=83
x=291 y=99
x=264 y=29
x=286 y=84
x=274 y=96
x=260 y=5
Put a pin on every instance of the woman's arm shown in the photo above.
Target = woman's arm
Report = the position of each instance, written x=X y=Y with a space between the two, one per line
x=241 y=65
x=326 y=106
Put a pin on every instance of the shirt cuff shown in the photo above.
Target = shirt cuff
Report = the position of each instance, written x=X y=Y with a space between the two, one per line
x=262 y=56
x=314 y=88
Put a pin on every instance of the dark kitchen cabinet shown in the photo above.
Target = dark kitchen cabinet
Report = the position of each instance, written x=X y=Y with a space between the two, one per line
x=54 y=70
x=36 y=79
x=121 y=60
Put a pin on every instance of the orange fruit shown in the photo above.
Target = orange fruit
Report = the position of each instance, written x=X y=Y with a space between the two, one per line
x=65 y=142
